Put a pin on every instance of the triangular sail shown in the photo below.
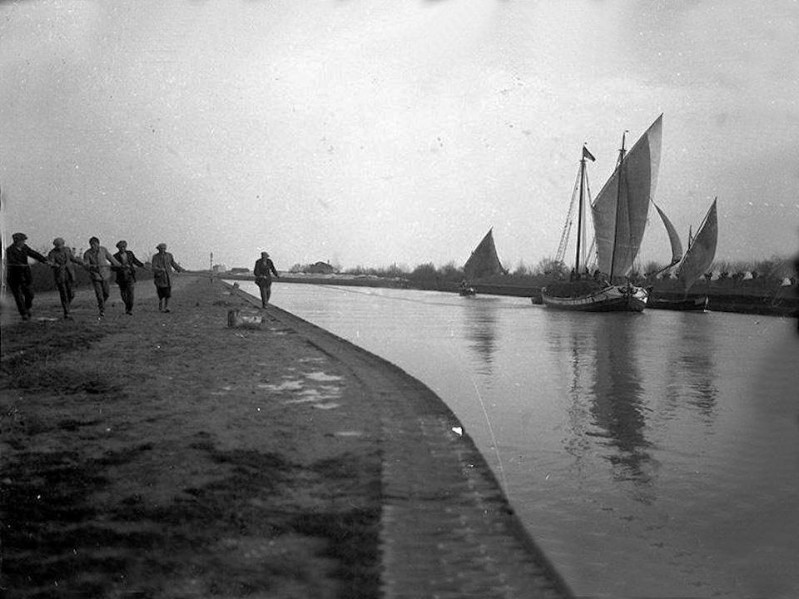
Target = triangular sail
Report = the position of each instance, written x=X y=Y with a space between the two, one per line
x=701 y=251
x=674 y=238
x=484 y=261
x=618 y=240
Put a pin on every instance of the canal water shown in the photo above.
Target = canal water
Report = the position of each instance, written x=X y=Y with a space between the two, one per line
x=649 y=455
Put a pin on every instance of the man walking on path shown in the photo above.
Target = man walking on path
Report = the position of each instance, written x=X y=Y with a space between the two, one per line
x=62 y=260
x=126 y=274
x=264 y=269
x=163 y=263
x=99 y=262
x=18 y=273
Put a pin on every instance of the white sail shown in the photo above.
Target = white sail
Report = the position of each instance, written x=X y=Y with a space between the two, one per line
x=674 y=238
x=621 y=207
x=701 y=251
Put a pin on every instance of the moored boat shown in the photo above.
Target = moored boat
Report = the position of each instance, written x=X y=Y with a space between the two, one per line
x=696 y=304
x=701 y=250
x=599 y=298
x=697 y=259
x=620 y=214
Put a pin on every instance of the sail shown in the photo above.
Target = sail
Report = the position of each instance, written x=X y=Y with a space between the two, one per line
x=484 y=261
x=701 y=252
x=676 y=244
x=626 y=195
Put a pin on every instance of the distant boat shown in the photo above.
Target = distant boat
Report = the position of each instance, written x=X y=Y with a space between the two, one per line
x=676 y=255
x=466 y=290
x=484 y=262
x=697 y=259
x=701 y=251
x=620 y=215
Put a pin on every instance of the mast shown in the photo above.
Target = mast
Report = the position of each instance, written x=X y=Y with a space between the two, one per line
x=618 y=201
x=580 y=214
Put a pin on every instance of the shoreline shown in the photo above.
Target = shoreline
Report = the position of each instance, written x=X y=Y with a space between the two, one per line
x=280 y=460
x=780 y=302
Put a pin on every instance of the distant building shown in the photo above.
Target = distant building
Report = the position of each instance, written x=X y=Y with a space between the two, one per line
x=320 y=268
x=220 y=268
x=239 y=271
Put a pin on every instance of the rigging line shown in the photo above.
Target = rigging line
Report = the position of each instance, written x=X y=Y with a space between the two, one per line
x=459 y=361
x=488 y=424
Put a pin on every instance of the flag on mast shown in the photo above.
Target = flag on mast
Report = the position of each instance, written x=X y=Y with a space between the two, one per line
x=587 y=154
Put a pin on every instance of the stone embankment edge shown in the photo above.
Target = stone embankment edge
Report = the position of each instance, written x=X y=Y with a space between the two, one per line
x=517 y=565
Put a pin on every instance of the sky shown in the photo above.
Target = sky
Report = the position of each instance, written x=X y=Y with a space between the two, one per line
x=378 y=132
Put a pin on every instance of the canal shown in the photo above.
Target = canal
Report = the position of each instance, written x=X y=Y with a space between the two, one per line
x=650 y=454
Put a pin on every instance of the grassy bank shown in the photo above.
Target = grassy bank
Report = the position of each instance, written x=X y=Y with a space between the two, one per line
x=157 y=456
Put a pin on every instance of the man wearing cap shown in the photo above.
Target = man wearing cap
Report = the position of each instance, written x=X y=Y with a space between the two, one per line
x=99 y=262
x=263 y=270
x=126 y=274
x=163 y=263
x=62 y=259
x=18 y=273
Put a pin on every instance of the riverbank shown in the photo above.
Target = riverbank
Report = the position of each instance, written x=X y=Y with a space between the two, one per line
x=167 y=455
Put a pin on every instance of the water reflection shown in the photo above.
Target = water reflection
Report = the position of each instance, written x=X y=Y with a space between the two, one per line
x=480 y=329
x=697 y=364
x=690 y=372
x=606 y=408
x=579 y=344
x=617 y=406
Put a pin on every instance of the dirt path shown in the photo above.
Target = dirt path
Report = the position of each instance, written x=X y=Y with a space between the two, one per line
x=167 y=455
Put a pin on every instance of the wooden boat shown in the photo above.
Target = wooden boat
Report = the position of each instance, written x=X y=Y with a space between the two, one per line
x=701 y=250
x=697 y=259
x=694 y=304
x=483 y=262
x=466 y=291
x=620 y=214
x=600 y=298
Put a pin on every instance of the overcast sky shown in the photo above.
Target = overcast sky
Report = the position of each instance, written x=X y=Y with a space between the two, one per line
x=372 y=132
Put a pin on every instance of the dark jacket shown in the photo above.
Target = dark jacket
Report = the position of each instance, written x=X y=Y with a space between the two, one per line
x=264 y=269
x=17 y=267
x=126 y=272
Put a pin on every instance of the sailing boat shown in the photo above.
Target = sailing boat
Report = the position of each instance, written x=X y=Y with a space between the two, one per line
x=698 y=257
x=701 y=251
x=483 y=262
x=620 y=214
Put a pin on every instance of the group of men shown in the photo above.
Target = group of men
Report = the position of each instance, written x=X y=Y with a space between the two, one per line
x=98 y=261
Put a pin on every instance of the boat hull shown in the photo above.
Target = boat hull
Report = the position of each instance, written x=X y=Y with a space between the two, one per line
x=608 y=299
x=694 y=304
x=469 y=291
